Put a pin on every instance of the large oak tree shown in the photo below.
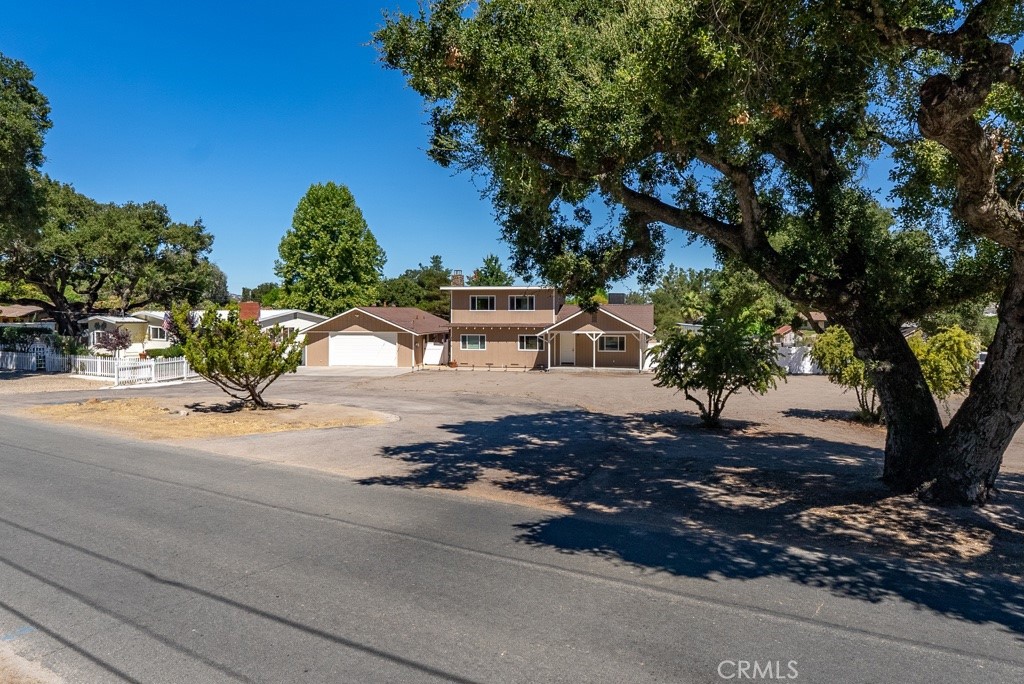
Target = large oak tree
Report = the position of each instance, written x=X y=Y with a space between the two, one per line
x=87 y=257
x=750 y=125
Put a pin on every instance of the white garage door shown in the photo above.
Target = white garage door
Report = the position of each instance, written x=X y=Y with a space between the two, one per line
x=364 y=349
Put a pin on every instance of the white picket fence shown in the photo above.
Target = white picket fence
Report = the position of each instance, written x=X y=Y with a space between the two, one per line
x=17 y=361
x=121 y=371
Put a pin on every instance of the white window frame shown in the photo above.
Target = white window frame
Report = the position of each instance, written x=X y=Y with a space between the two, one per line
x=473 y=299
x=601 y=343
x=156 y=332
x=531 y=302
x=540 y=343
x=482 y=341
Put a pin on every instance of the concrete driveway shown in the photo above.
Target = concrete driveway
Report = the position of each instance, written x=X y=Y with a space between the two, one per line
x=351 y=371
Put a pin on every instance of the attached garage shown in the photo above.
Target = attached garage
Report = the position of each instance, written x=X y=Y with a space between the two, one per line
x=385 y=337
x=363 y=349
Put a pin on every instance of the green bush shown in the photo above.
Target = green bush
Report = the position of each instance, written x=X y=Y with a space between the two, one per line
x=727 y=354
x=173 y=352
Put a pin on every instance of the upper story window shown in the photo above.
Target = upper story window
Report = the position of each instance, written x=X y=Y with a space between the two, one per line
x=523 y=303
x=481 y=303
x=157 y=333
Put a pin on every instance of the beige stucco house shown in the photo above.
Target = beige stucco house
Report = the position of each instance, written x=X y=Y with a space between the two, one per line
x=532 y=327
x=386 y=336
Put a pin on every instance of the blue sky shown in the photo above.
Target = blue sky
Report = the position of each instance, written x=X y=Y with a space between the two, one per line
x=230 y=111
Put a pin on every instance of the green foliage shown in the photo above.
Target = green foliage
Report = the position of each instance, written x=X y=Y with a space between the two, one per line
x=330 y=261
x=682 y=296
x=70 y=346
x=491 y=273
x=89 y=258
x=834 y=354
x=946 y=359
x=237 y=355
x=969 y=315
x=727 y=354
x=216 y=291
x=268 y=295
x=173 y=352
x=746 y=124
x=20 y=338
x=421 y=288
x=24 y=120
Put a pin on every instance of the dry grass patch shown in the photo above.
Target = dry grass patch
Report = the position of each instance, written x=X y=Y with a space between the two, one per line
x=149 y=419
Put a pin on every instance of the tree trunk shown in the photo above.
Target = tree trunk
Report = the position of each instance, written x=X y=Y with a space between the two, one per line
x=975 y=440
x=912 y=418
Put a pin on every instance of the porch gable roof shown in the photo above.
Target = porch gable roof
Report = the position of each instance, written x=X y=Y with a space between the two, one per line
x=634 y=317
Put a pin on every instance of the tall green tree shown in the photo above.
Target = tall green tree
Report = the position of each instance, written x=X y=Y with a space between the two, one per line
x=491 y=273
x=330 y=261
x=24 y=121
x=747 y=124
x=88 y=258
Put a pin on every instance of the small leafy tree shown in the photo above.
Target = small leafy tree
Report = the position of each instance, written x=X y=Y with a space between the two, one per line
x=236 y=355
x=833 y=352
x=945 y=360
x=114 y=341
x=728 y=354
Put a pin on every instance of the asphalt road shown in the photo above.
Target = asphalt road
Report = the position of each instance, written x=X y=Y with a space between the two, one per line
x=122 y=561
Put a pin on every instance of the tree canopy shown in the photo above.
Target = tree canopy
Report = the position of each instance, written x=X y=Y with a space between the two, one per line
x=749 y=125
x=420 y=287
x=267 y=294
x=24 y=121
x=491 y=273
x=330 y=261
x=88 y=257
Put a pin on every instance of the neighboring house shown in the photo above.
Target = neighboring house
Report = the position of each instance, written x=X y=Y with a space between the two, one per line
x=20 y=314
x=533 y=327
x=385 y=336
x=148 y=331
x=94 y=327
x=785 y=336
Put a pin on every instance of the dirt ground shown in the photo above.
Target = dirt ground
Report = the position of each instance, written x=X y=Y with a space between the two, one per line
x=16 y=670
x=170 y=420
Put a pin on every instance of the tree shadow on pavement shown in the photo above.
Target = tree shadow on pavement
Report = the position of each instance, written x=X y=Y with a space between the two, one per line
x=657 y=491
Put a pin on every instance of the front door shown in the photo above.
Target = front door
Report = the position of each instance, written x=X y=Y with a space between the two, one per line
x=567 y=349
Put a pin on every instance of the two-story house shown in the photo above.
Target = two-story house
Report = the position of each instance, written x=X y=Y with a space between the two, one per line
x=533 y=327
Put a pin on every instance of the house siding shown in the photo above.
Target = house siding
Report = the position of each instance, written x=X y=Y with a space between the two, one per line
x=502 y=348
x=318 y=345
x=546 y=301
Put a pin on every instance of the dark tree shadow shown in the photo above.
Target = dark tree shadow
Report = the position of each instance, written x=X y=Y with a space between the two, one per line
x=234 y=407
x=659 y=492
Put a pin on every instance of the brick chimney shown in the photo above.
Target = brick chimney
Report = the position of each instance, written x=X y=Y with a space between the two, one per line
x=458 y=280
x=249 y=311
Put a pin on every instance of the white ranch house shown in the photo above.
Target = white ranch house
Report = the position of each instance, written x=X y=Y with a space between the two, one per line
x=148 y=333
